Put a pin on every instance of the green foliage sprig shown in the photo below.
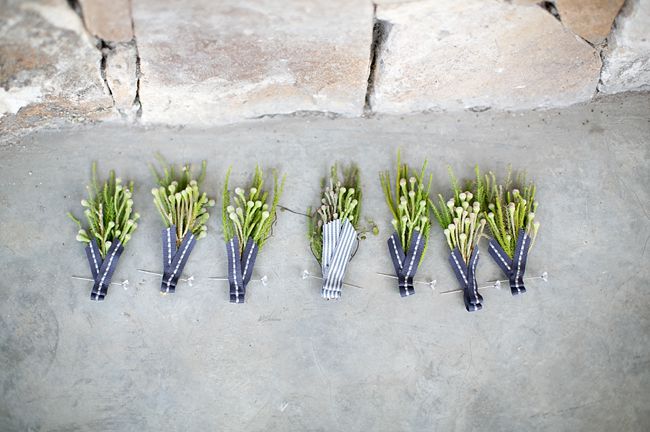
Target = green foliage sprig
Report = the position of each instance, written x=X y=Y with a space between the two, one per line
x=179 y=200
x=108 y=212
x=251 y=216
x=460 y=217
x=340 y=199
x=408 y=204
x=508 y=208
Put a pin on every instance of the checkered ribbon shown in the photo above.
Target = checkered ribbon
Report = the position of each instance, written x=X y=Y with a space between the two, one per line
x=240 y=267
x=406 y=265
x=102 y=269
x=513 y=268
x=466 y=275
x=338 y=240
x=174 y=259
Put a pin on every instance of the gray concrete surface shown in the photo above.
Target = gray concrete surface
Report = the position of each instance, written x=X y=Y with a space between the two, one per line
x=569 y=355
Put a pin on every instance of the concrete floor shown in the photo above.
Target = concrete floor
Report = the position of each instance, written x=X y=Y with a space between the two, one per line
x=570 y=355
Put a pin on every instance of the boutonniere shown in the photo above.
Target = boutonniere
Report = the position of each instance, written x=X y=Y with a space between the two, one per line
x=248 y=217
x=333 y=227
x=462 y=222
x=407 y=200
x=111 y=222
x=510 y=212
x=184 y=211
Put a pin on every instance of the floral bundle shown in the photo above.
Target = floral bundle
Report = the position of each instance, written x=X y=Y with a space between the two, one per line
x=461 y=219
x=248 y=217
x=184 y=211
x=510 y=213
x=111 y=222
x=411 y=221
x=333 y=227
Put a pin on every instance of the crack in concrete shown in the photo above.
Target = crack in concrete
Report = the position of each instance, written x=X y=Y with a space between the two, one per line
x=380 y=30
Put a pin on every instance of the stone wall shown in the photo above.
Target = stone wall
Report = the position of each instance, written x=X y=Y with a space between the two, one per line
x=199 y=62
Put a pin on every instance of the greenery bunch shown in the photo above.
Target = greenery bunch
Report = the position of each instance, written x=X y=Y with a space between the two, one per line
x=179 y=200
x=250 y=215
x=508 y=208
x=460 y=217
x=408 y=203
x=340 y=199
x=108 y=211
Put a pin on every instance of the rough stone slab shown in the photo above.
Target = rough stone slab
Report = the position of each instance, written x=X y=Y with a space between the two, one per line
x=627 y=58
x=108 y=19
x=49 y=67
x=122 y=77
x=591 y=19
x=215 y=62
x=446 y=54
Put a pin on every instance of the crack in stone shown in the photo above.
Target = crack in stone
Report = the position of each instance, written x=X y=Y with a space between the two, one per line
x=550 y=7
x=101 y=44
x=380 y=30
x=137 y=100
x=105 y=47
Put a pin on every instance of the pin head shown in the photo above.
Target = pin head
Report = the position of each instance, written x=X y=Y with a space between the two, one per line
x=190 y=280
x=497 y=285
x=305 y=274
x=125 y=284
x=544 y=276
x=264 y=280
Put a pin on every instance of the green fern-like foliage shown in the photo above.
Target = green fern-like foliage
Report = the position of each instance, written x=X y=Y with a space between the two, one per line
x=179 y=200
x=340 y=199
x=108 y=211
x=461 y=217
x=249 y=213
x=408 y=201
x=509 y=208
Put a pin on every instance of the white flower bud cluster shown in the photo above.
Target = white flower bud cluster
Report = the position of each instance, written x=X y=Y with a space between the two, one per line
x=412 y=211
x=249 y=213
x=109 y=212
x=338 y=202
x=510 y=211
x=186 y=208
x=467 y=224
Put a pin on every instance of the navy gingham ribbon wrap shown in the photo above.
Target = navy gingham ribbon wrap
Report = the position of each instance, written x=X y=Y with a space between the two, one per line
x=338 y=240
x=102 y=269
x=174 y=259
x=406 y=265
x=240 y=267
x=466 y=275
x=513 y=268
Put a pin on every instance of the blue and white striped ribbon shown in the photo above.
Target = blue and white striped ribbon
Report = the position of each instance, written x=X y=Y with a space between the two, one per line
x=102 y=269
x=513 y=268
x=466 y=275
x=174 y=259
x=406 y=265
x=338 y=240
x=240 y=267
